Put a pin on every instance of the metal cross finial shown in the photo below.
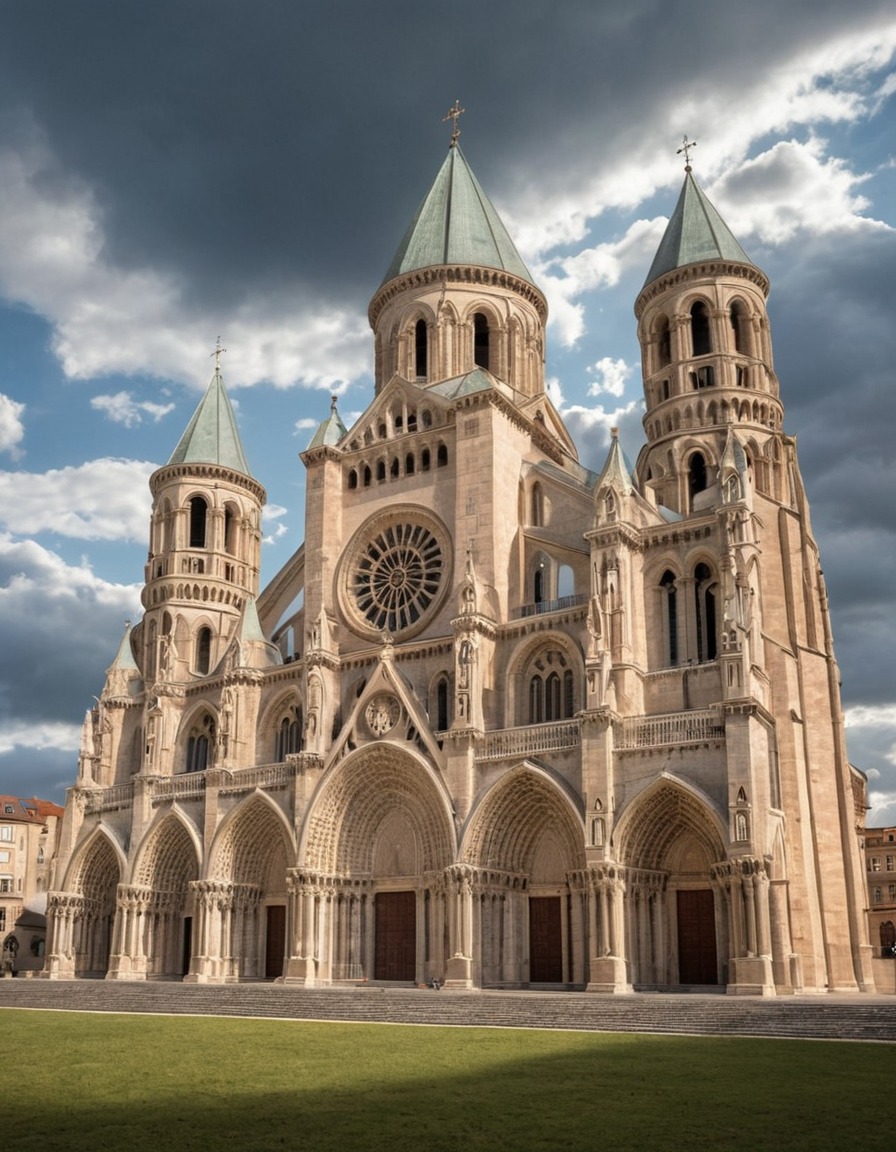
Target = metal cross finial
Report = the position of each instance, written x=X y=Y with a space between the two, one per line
x=686 y=146
x=217 y=355
x=453 y=114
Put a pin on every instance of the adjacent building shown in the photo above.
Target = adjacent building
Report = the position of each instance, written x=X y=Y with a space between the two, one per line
x=28 y=831
x=501 y=720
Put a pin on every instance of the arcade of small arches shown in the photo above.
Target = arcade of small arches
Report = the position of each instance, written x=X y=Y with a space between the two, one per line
x=392 y=466
x=390 y=892
x=688 y=611
x=422 y=347
x=199 y=523
x=702 y=330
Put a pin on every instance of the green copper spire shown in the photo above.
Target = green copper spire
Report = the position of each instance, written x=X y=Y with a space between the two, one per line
x=212 y=436
x=456 y=224
x=695 y=232
x=331 y=430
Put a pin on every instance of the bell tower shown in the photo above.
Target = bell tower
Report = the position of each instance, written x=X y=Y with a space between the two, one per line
x=204 y=550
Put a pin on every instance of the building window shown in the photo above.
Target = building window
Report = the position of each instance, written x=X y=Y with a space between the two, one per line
x=442 y=698
x=887 y=936
x=198 y=517
x=670 y=614
x=877 y=895
x=420 y=349
x=696 y=474
x=700 y=335
x=705 y=592
x=6 y=832
x=289 y=734
x=480 y=341
x=203 y=651
x=537 y=505
x=889 y=863
x=199 y=746
x=441 y=456
x=9 y=809
x=875 y=862
x=664 y=345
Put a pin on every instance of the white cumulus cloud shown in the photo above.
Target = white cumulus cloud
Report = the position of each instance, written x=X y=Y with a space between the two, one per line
x=12 y=430
x=122 y=408
x=106 y=499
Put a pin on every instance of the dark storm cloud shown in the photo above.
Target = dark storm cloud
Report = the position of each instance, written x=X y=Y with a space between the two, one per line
x=218 y=135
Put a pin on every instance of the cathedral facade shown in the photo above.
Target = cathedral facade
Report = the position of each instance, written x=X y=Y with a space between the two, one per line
x=501 y=721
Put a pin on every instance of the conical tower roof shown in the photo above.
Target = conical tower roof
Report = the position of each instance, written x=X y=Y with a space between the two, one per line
x=617 y=471
x=331 y=430
x=456 y=224
x=212 y=436
x=124 y=657
x=695 y=232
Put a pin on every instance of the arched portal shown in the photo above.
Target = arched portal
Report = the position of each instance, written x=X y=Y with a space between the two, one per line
x=155 y=939
x=95 y=879
x=241 y=905
x=677 y=931
x=379 y=839
x=525 y=839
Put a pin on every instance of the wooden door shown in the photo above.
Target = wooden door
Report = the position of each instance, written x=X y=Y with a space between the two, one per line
x=545 y=940
x=697 y=961
x=395 y=928
x=275 y=941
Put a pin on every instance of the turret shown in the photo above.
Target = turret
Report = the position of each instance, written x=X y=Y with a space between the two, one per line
x=205 y=539
x=457 y=294
x=706 y=355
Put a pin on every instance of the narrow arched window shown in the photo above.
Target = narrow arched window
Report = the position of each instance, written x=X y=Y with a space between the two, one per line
x=696 y=474
x=670 y=616
x=552 y=697
x=536 y=700
x=442 y=704
x=537 y=505
x=366 y=476
x=538 y=585
x=395 y=469
x=705 y=592
x=381 y=469
x=420 y=349
x=424 y=460
x=203 y=651
x=569 y=696
x=289 y=735
x=442 y=456
x=230 y=522
x=198 y=518
x=700 y=336
x=480 y=340
x=664 y=345
x=409 y=464
x=739 y=321
x=352 y=479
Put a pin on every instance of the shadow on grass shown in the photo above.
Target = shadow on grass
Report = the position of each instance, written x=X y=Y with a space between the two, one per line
x=134 y=1083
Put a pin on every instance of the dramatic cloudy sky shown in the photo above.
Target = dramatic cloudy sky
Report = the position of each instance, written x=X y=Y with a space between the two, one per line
x=172 y=172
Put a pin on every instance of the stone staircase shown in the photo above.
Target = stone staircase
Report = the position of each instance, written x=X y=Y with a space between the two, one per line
x=819 y=1017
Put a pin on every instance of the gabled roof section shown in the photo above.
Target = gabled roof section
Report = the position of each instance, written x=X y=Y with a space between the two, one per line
x=695 y=232
x=331 y=430
x=212 y=436
x=456 y=224
x=476 y=381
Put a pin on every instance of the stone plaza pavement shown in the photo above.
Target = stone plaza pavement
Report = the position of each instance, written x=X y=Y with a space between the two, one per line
x=834 y=1017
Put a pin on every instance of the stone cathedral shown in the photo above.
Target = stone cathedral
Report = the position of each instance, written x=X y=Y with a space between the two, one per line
x=500 y=721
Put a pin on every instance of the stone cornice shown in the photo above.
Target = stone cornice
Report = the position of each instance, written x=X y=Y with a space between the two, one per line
x=461 y=274
x=206 y=472
x=702 y=270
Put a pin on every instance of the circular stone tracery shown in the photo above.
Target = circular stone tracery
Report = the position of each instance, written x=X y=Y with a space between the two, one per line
x=395 y=576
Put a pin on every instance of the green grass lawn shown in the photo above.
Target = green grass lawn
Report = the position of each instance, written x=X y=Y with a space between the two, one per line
x=77 y=1081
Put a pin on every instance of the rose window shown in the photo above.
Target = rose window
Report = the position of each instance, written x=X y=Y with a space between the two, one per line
x=396 y=577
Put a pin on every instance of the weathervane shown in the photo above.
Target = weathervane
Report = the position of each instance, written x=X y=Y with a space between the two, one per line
x=453 y=114
x=686 y=146
x=217 y=355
